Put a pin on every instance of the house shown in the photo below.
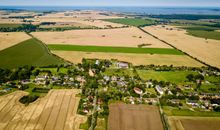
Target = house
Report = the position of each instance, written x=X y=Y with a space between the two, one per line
x=192 y=102
x=91 y=73
x=149 y=84
x=25 y=82
x=123 y=65
x=159 y=90
x=107 y=78
x=138 y=91
x=97 y=62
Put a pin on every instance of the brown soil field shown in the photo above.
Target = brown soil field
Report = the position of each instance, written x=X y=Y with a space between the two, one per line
x=135 y=59
x=57 y=110
x=194 y=123
x=200 y=48
x=12 y=38
x=129 y=37
x=134 y=117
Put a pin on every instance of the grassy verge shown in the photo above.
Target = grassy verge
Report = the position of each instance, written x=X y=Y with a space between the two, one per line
x=114 y=49
x=30 y=52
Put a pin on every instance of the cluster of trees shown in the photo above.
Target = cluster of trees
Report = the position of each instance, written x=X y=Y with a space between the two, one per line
x=22 y=28
x=21 y=17
x=28 y=99
x=192 y=77
x=20 y=73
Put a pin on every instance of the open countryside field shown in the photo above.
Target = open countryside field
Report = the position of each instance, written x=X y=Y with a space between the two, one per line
x=29 y=52
x=57 y=110
x=200 y=48
x=135 y=59
x=123 y=37
x=131 y=21
x=134 y=117
x=11 y=38
x=194 y=123
x=114 y=49
x=174 y=77
x=84 y=18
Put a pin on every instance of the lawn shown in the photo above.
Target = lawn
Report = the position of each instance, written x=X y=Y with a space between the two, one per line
x=114 y=49
x=132 y=21
x=168 y=76
x=30 y=52
x=119 y=72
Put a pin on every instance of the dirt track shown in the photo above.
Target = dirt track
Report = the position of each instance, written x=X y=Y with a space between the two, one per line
x=57 y=110
x=134 y=117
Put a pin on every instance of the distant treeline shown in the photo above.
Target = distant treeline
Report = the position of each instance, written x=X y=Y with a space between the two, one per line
x=34 y=28
x=185 y=16
x=22 y=28
x=21 y=17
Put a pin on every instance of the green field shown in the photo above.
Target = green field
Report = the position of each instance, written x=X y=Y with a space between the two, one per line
x=29 y=52
x=114 y=49
x=168 y=76
x=205 y=34
x=173 y=111
x=132 y=21
x=9 y=25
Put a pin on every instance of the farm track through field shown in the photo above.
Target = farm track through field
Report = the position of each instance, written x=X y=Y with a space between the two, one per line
x=57 y=110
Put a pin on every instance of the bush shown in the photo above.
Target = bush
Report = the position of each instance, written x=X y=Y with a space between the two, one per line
x=28 y=99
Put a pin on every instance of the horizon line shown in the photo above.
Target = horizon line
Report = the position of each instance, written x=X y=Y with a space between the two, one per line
x=107 y=6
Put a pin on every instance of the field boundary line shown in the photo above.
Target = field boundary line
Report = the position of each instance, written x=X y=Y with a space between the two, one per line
x=43 y=109
x=50 y=111
x=179 y=49
x=59 y=109
x=45 y=47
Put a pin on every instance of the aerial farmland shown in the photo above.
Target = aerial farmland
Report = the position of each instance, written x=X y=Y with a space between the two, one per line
x=103 y=69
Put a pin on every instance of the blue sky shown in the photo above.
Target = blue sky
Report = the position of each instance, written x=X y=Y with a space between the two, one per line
x=198 y=3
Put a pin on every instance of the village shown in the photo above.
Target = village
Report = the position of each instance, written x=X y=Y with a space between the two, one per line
x=91 y=77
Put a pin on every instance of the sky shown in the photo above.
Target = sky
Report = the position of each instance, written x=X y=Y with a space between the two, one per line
x=197 y=3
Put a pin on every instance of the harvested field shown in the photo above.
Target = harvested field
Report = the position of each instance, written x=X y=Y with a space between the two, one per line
x=203 y=49
x=57 y=110
x=12 y=38
x=194 y=123
x=128 y=37
x=136 y=59
x=134 y=117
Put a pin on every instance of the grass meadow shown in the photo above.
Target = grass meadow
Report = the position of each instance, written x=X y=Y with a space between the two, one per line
x=114 y=49
x=30 y=52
